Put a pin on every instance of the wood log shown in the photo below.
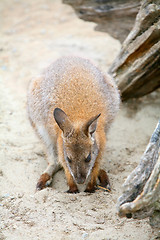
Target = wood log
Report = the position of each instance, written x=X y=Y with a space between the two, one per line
x=141 y=190
x=137 y=67
x=112 y=16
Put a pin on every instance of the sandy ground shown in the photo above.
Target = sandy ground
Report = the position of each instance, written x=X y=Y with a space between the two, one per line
x=33 y=34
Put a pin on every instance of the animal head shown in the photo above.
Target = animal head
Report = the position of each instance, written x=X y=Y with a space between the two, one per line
x=79 y=145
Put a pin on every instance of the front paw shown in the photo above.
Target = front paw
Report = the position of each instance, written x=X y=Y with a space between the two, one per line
x=90 y=189
x=40 y=185
x=72 y=191
x=42 y=181
x=104 y=181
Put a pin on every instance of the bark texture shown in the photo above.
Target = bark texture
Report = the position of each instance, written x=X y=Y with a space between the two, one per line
x=113 y=16
x=141 y=190
x=137 y=67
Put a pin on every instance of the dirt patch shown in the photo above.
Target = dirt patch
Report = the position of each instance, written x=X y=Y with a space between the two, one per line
x=33 y=34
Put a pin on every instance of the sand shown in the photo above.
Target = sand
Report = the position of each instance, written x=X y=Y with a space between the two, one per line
x=32 y=35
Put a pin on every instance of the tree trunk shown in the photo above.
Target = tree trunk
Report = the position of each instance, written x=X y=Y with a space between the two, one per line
x=112 y=16
x=137 y=67
x=141 y=190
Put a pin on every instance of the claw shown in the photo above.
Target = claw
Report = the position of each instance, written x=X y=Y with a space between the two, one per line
x=42 y=182
x=72 y=191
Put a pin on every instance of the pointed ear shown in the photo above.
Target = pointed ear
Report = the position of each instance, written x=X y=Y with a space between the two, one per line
x=62 y=120
x=91 y=125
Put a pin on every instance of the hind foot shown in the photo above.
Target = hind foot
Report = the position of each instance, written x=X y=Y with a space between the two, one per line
x=104 y=180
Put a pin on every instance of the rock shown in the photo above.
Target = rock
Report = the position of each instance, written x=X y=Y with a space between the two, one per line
x=141 y=190
x=114 y=17
x=137 y=67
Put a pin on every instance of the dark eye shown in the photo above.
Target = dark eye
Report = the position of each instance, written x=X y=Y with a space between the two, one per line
x=69 y=160
x=88 y=159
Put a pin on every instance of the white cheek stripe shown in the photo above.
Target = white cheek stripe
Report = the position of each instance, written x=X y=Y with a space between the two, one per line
x=92 y=161
x=71 y=171
x=91 y=166
x=65 y=157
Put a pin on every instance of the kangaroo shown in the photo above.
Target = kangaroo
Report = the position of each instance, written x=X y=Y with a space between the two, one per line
x=71 y=106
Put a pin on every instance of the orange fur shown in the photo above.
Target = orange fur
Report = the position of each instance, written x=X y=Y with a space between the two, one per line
x=72 y=186
x=78 y=88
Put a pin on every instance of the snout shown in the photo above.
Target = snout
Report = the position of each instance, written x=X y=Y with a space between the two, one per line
x=80 y=180
x=80 y=175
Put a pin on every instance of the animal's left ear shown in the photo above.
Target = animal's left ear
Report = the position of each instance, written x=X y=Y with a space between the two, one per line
x=91 y=125
x=63 y=121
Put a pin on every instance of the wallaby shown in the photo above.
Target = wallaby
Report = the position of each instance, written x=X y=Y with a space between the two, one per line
x=71 y=106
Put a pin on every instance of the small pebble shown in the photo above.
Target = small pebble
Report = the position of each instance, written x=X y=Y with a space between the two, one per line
x=4 y=68
x=6 y=195
x=84 y=235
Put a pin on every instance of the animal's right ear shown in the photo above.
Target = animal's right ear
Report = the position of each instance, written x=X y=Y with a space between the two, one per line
x=63 y=121
x=91 y=125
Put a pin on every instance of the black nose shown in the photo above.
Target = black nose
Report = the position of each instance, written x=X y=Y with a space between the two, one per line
x=80 y=180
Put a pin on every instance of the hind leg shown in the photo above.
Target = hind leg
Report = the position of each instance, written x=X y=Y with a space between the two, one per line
x=104 y=180
x=53 y=165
